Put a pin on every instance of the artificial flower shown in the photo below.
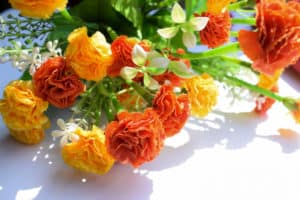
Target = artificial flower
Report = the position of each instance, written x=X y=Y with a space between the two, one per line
x=88 y=153
x=172 y=110
x=135 y=137
x=30 y=136
x=121 y=49
x=275 y=45
x=88 y=56
x=57 y=83
x=22 y=112
x=187 y=27
x=38 y=8
x=217 y=6
x=66 y=132
x=203 y=93
x=217 y=30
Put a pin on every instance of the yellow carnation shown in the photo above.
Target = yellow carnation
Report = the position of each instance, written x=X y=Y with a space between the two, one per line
x=22 y=112
x=202 y=92
x=38 y=8
x=88 y=153
x=217 y=6
x=88 y=56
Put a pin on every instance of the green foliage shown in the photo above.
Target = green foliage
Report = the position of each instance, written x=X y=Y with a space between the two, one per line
x=194 y=6
x=26 y=76
x=180 y=69
x=130 y=9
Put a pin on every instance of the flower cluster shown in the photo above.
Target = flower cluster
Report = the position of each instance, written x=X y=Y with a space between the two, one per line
x=143 y=79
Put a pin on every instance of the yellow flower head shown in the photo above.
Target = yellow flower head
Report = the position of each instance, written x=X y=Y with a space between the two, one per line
x=203 y=93
x=22 y=112
x=267 y=81
x=217 y=6
x=38 y=8
x=88 y=56
x=88 y=153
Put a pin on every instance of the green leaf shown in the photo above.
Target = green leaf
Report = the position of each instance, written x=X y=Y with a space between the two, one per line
x=195 y=6
x=128 y=73
x=180 y=69
x=26 y=76
x=155 y=70
x=130 y=9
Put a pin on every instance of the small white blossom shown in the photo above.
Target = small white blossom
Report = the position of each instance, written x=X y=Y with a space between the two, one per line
x=67 y=132
x=187 y=27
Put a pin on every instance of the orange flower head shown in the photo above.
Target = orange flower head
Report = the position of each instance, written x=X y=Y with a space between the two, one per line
x=172 y=110
x=88 y=56
x=203 y=93
x=56 y=83
x=121 y=49
x=38 y=8
x=23 y=112
x=217 y=6
x=217 y=30
x=276 y=44
x=88 y=153
x=135 y=137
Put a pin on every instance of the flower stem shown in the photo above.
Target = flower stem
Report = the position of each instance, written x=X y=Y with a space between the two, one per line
x=231 y=48
x=248 y=21
x=65 y=13
x=237 y=5
x=290 y=103
x=237 y=61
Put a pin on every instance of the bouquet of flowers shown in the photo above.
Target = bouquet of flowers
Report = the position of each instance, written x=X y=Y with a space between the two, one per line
x=139 y=69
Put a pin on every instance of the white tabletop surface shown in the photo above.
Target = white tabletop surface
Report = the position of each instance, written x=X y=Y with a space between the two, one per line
x=220 y=157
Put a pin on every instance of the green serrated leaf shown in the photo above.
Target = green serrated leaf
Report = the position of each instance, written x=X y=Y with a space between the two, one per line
x=155 y=70
x=180 y=69
x=130 y=9
x=26 y=76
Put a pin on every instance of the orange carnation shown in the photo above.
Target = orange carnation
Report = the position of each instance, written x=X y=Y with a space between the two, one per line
x=38 y=8
x=121 y=49
x=55 y=83
x=217 y=30
x=172 y=110
x=135 y=137
x=276 y=44
x=88 y=56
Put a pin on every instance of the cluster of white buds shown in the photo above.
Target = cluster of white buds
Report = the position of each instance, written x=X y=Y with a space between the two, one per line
x=29 y=58
x=234 y=99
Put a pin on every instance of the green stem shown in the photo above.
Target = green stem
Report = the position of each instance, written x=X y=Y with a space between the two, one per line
x=231 y=48
x=237 y=61
x=248 y=21
x=143 y=92
x=290 y=103
x=234 y=33
x=65 y=13
x=237 y=5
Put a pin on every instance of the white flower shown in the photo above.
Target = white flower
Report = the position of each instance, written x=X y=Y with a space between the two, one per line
x=67 y=132
x=187 y=27
x=156 y=64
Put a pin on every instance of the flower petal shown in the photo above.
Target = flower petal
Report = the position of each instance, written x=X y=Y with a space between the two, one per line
x=189 y=39
x=61 y=124
x=128 y=73
x=139 y=55
x=150 y=83
x=178 y=14
x=168 y=33
x=199 y=23
x=159 y=62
